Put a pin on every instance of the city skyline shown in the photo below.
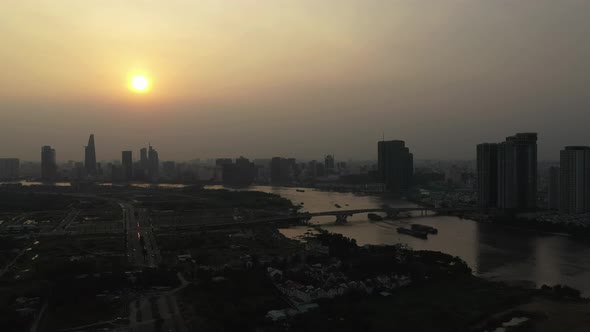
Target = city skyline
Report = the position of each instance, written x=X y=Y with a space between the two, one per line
x=294 y=165
x=312 y=76
x=81 y=156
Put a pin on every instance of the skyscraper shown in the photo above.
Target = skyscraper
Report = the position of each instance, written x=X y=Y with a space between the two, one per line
x=169 y=169
x=487 y=175
x=517 y=172
x=143 y=159
x=329 y=164
x=153 y=164
x=48 y=164
x=9 y=168
x=574 y=179
x=241 y=173
x=90 y=157
x=396 y=165
x=127 y=165
x=281 y=171
x=553 y=188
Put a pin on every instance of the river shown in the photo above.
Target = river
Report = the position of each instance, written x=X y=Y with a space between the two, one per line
x=493 y=251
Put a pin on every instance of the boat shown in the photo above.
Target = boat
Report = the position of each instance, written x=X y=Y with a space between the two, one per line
x=414 y=233
x=337 y=205
x=424 y=228
x=300 y=190
x=374 y=217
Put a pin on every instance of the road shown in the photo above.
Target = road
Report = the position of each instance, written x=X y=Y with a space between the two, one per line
x=70 y=216
x=142 y=249
x=143 y=311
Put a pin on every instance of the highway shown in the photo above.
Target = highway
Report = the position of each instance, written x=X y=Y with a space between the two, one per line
x=70 y=216
x=142 y=250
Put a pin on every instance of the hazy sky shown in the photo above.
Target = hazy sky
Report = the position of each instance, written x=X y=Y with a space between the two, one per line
x=292 y=77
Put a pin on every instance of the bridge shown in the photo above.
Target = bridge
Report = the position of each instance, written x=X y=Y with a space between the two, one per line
x=342 y=215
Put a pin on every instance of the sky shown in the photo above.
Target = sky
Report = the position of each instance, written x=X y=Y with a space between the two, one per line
x=294 y=78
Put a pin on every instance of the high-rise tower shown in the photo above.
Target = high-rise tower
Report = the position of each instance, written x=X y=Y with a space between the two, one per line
x=48 y=164
x=90 y=156
x=396 y=166
x=574 y=179
x=487 y=175
x=517 y=172
x=153 y=164
x=127 y=165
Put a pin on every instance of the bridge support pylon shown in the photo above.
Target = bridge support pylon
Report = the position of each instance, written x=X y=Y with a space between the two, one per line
x=392 y=214
x=341 y=219
x=305 y=220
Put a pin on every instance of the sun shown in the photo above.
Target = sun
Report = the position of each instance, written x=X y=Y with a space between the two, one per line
x=140 y=83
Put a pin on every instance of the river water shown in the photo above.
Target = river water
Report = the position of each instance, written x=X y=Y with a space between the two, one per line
x=493 y=251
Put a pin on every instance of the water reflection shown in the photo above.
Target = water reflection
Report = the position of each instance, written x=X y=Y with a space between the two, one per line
x=493 y=251
x=105 y=184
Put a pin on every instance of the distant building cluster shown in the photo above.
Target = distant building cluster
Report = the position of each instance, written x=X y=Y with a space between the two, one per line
x=507 y=173
x=507 y=177
x=9 y=168
x=279 y=171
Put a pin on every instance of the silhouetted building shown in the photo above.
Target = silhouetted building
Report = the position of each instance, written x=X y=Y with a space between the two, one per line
x=329 y=164
x=48 y=164
x=241 y=173
x=117 y=174
x=517 y=172
x=295 y=171
x=396 y=166
x=143 y=159
x=553 y=190
x=79 y=171
x=153 y=164
x=487 y=175
x=169 y=169
x=223 y=161
x=127 y=165
x=281 y=170
x=9 y=168
x=574 y=179
x=90 y=156
x=320 y=169
x=311 y=169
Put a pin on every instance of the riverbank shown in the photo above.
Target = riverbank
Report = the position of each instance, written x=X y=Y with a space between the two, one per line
x=442 y=294
x=491 y=250
x=529 y=224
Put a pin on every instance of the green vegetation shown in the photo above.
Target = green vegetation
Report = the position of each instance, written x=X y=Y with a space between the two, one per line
x=98 y=210
x=10 y=319
x=22 y=201
x=238 y=302
x=216 y=199
x=560 y=292
x=83 y=300
x=578 y=231
x=451 y=304
x=217 y=248
x=443 y=296
x=367 y=262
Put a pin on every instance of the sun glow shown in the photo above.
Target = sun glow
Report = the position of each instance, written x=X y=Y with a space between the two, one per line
x=139 y=83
